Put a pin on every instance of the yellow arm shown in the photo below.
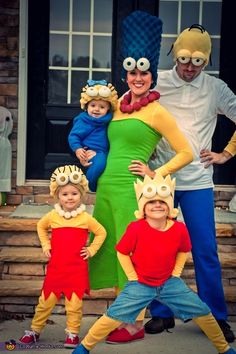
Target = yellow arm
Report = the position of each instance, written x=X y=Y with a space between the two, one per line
x=43 y=227
x=231 y=147
x=179 y=264
x=127 y=266
x=168 y=128
x=99 y=236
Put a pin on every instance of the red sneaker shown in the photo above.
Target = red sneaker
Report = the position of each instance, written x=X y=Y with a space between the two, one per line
x=29 y=337
x=72 y=340
x=119 y=336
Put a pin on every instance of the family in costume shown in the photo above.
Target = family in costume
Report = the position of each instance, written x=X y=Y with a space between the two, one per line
x=89 y=132
x=157 y=276
x=68 y=251
x=195 y=98
x=136 y=127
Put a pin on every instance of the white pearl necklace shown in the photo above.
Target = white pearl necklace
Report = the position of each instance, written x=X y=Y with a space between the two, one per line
x=69 y=214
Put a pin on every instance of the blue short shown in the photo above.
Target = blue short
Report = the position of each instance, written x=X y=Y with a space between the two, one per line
x=174 y=293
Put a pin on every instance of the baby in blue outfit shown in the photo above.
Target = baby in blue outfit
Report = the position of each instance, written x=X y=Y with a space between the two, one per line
x=88 y=137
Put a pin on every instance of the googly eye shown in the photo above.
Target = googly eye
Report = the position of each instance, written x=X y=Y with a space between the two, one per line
x=104 y=91
x=62 y=179
x=197 y=61
x=184 y=60
x=149 y=190
x=163 y=190
x=129 y=64
x=143 y=64
x=75 y=177
x=92 y=91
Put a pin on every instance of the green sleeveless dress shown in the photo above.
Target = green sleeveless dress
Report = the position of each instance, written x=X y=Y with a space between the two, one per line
x=130 y=139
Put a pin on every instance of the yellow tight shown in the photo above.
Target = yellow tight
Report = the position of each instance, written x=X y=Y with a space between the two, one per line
x=101 y=328
x=44 y=308
x=212 y=330
x=104 y=325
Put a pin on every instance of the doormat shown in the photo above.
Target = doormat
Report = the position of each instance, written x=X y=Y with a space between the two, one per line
x=222 y=216
x=36 y=211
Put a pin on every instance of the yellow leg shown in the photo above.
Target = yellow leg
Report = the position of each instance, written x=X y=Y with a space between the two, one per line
x=43 y=311
x=210 y=327
x=101 y=328
x=73 y=309
x=141 y=315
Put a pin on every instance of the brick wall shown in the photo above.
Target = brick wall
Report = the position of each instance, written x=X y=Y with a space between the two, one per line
x=9 y=59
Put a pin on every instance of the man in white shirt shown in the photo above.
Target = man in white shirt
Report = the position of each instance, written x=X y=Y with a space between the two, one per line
x=195 y=98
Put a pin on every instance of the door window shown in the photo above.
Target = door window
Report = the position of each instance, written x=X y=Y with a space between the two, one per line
x=79 y=47
x=180 y=14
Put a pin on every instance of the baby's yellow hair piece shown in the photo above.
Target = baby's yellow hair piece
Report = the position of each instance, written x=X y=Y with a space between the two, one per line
x=99 y=90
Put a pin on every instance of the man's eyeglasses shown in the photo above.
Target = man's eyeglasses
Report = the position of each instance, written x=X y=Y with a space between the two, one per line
x=194 y=61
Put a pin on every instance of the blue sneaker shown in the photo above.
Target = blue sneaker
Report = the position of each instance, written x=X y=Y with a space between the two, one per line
x=82 y=350
x=229 y=351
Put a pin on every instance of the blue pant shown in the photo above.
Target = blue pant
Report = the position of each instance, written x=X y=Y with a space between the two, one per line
x=197 y=207
x=184 y=303
x=95 y=170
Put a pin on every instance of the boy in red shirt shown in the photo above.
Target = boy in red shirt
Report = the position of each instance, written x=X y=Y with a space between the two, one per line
x=152 y=253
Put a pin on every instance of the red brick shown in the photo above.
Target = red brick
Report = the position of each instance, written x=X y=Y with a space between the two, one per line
x=24 y=190
x=8 y=89
x=14 y=199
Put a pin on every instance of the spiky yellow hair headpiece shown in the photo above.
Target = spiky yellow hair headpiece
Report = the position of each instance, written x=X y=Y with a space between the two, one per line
x=99 y=90
x=68 y=174
x=158 y=188
x=193 y=42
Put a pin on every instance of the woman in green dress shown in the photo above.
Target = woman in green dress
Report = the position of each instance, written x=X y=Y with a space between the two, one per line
x=137 y=125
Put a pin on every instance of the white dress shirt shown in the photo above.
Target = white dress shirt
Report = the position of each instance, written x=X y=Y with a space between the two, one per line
x=195 y=106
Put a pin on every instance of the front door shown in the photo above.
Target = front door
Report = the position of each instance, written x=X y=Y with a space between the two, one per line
x=66 y=47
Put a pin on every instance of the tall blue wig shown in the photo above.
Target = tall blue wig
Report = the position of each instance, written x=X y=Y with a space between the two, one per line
x=141 y=38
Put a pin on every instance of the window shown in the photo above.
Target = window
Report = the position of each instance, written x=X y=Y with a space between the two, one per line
x=180 y=14
x=79 y=47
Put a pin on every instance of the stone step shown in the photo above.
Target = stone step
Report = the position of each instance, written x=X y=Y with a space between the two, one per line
x=24 y=225
x=22 y=254
x=12 y=224
x=227 y=259
x=14 y=288
x=33 y=288
x=35 y=255
x=229 y=291
x=19 y=238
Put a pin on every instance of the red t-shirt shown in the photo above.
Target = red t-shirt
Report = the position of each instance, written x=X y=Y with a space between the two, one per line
x=153 y=252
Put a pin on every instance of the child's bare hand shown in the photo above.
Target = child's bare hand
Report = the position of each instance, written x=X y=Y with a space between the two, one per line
x=90 y=154
x=47 y=253
x=84 y=253
x=81 y=154
x=85 y=163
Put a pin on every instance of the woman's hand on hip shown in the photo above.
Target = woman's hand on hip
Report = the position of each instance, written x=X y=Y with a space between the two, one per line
x=139 y=168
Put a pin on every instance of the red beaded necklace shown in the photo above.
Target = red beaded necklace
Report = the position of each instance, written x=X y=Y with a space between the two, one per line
x=126 y=107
